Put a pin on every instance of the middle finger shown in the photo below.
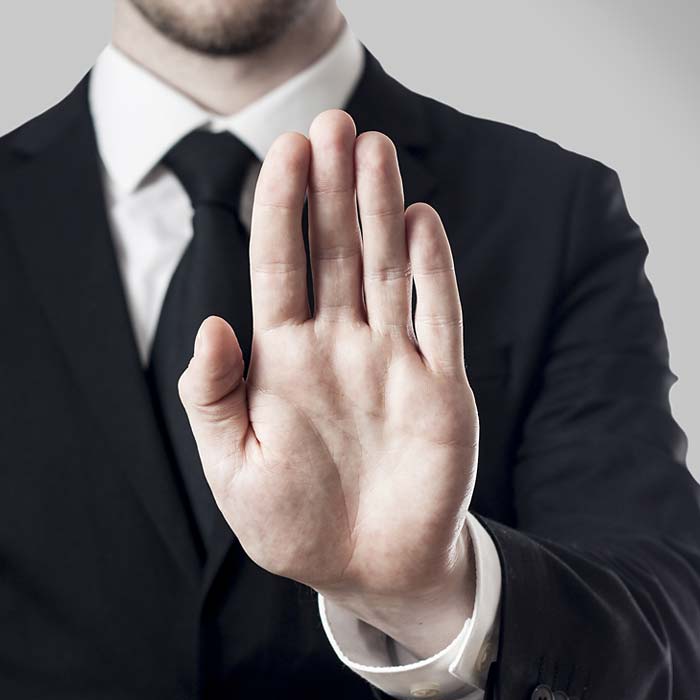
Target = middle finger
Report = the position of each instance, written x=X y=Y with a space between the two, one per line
x=334 y=232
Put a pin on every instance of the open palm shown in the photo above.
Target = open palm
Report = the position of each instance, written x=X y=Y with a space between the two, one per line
x=346 y=459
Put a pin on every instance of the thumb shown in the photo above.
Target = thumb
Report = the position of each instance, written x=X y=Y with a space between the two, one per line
x=213 y=392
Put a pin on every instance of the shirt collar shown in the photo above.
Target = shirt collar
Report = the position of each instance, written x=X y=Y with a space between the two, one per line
x=138 y=117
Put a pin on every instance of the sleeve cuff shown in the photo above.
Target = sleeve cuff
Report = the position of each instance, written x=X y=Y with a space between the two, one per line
x=456 y=672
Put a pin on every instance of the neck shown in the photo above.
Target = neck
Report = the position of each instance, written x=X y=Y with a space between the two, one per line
x=224 y=85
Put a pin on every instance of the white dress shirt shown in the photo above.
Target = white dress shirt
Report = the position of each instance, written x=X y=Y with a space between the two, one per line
x=137 y=119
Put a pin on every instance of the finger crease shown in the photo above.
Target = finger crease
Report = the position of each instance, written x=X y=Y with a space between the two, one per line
x=387 y=274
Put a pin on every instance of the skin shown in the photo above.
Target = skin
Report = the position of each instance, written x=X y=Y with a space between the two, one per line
x=232 y=28
x=346 y=459
x=224 y=84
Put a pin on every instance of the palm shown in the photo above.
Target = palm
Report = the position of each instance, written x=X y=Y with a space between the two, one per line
x=347 y=458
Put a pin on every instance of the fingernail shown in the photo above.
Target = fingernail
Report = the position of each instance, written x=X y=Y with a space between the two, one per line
x=198 y=342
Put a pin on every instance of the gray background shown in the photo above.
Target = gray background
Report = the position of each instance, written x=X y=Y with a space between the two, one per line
x=618 y=80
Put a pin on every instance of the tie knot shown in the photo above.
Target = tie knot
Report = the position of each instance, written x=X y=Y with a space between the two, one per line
x=211 y=166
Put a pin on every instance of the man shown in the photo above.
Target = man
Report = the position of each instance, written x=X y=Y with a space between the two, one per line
x=516 y=524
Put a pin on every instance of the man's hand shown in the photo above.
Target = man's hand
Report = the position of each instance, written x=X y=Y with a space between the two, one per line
x=346 y=460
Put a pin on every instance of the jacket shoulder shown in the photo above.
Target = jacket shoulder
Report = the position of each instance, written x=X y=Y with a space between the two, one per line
x=10 y=151
x=41 y=130
x=503 y=150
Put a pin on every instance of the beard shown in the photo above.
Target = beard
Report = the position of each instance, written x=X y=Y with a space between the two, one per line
x=223 y=27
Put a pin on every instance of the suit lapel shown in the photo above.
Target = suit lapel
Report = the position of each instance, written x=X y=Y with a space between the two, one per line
x=378 y=103
x=60 y=224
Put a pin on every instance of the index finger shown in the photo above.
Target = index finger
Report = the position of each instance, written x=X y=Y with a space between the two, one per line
x=277 y=255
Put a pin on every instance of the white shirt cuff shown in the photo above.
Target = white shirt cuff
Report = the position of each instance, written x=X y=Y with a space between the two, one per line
x=458 y=671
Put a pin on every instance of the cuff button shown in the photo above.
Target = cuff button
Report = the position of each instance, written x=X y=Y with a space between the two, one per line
x=427 y=690
x=542 y=692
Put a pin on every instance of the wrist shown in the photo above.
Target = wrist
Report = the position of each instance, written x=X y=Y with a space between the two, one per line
x=423 y=619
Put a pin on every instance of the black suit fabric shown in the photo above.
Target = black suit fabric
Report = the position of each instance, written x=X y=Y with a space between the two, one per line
x=582 y=482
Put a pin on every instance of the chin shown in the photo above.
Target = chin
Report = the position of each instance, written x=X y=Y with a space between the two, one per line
x=224 y=27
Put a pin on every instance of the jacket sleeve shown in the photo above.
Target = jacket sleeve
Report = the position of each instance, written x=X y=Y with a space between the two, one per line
x=601 y=576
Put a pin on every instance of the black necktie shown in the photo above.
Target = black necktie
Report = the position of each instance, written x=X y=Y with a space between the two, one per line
x=211 y=278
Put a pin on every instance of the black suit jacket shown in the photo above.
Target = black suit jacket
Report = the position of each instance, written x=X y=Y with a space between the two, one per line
x=582 y=482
